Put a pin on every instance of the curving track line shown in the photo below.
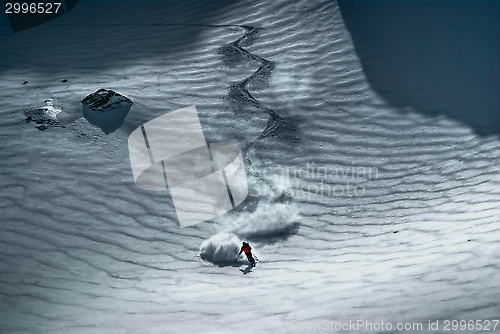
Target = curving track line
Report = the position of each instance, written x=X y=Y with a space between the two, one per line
x=240 y=90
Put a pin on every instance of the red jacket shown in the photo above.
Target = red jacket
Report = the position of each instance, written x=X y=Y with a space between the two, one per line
x=246 y=249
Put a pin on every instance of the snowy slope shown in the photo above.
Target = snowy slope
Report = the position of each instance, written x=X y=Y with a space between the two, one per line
x=83 y=250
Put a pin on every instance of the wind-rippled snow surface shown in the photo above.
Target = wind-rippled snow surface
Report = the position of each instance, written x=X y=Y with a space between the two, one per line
x=83 y=250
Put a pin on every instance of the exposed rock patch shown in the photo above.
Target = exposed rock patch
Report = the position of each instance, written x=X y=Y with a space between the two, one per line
x=45 y=116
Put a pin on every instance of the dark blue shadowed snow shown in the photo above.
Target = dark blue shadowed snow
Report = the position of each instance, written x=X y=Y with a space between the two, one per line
x=440 y=57
x=373 y=214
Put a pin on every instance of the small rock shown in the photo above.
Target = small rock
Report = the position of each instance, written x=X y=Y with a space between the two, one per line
x=24 y=83
x=44 y=116
x=64 y=80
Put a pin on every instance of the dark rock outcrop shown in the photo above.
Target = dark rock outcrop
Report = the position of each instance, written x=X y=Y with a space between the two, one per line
x=106 y=109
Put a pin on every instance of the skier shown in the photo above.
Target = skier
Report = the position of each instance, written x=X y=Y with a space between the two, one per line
x=248 y=252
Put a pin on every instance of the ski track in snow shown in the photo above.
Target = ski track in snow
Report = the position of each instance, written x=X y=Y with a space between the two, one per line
x=83 y=250
x=239 y=92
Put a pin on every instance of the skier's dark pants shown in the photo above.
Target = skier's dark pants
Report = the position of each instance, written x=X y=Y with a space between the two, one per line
x=250 y=257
